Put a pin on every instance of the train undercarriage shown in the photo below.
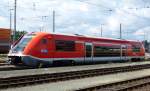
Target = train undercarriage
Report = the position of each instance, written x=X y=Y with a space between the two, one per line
x=15 y=60
x=32 y=62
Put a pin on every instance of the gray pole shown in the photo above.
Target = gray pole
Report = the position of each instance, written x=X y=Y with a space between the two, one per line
x=101 y=30
x=10 y=26
x=53 y=21
x=15 y=20
x=120 y=31
x=10 y=22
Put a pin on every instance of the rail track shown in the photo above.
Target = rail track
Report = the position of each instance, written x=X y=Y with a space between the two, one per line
x=8 y=67
x=63 y=76
x=128 y=85
x=12 y=67
x=3 y=64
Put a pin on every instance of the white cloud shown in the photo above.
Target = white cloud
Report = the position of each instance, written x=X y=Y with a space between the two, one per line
x=113 y=23
x=80 y=17
x=84 y=7
x=139 y=33
x=2 y=19
x=143 y=31
x=3 y=22
x=94 y=30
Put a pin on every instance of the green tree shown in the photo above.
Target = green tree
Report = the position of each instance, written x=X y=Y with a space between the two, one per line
x=18 y=34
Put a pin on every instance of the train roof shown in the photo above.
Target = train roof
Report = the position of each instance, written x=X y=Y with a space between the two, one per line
x=90 y=37
x=4 y=29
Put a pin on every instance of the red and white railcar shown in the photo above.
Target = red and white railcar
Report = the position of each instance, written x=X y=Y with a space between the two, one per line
x=44 y=48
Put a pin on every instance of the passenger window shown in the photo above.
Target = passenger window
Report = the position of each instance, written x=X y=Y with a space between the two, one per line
x=102 y=51
x=136 y=48
x=44 y=41
x=63 y=45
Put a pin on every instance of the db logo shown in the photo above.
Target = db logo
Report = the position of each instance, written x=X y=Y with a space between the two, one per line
x=44 y=51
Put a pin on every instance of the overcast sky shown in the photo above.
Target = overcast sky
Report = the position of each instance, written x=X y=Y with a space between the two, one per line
x=81 y=17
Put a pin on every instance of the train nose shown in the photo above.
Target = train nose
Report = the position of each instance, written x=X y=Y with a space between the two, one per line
x=34 y=62
x=15 y=57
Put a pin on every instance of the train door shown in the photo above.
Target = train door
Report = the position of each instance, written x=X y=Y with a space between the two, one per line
x=88 y=51
x=123 y=53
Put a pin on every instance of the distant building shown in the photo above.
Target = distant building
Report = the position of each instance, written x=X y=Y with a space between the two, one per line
x=5 y=40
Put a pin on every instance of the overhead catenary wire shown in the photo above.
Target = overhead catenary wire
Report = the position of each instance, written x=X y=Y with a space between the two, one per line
x=121 y=9
x=35 y=6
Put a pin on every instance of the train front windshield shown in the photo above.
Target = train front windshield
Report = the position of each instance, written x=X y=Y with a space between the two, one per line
x=22 y=44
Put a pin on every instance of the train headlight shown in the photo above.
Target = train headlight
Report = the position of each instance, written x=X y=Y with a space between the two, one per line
x=19 y=52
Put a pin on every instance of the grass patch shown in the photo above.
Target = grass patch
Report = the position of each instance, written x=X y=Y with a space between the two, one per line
x=3 y=55
x=3 y=58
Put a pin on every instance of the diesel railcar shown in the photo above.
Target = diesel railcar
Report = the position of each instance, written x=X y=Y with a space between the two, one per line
x=42 y=48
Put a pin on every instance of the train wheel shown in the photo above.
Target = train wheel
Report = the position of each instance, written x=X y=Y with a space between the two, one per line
x=40 y=65
x=73 y=62
x=14 y=62
x=69 y=62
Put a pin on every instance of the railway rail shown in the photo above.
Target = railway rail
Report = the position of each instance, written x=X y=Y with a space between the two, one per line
x=128 y=85
x=55 y=77
x=3 y=64
x=8 y=67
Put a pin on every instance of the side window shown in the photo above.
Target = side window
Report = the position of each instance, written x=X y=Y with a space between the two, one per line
x=136 y=48
x=102 y=51
x=63 y=45
x=44 y=41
